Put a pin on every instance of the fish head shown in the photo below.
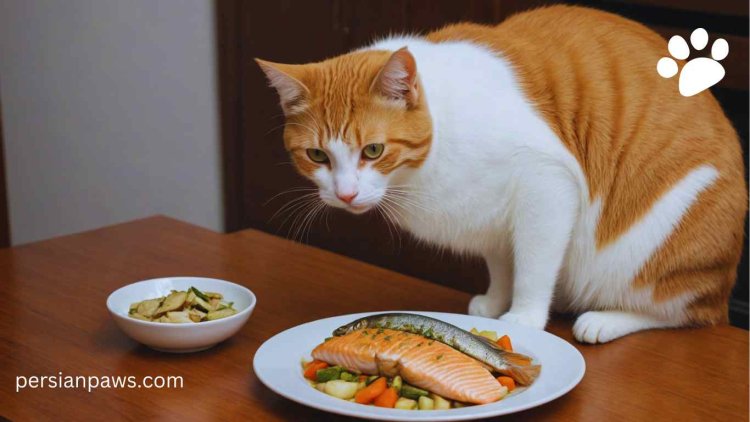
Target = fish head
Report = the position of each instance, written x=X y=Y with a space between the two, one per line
x=352 y=326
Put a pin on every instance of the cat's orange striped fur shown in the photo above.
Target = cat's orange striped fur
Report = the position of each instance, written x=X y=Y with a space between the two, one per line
x=592 y=78
x=634 y=136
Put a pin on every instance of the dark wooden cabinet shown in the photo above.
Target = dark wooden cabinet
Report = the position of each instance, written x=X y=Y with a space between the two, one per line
x=257 y=168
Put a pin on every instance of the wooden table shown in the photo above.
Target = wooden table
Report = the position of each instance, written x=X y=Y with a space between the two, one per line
x=53 y=319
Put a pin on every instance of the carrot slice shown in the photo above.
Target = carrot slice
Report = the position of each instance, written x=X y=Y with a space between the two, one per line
x=314 y=367
x=505 y=343
x=507 y=382
x=387 y=398
x=371 y=392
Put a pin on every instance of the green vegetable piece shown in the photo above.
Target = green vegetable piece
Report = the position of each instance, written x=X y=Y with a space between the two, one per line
x=147 y=308
x=214 y=295
x=173 y=302
x=411 y=392
x=425 y=403
x=405 y=404
x=200 y=294
x=439 y=402
x=328 y=374
x=371 y=378
x=202 y=304
x=397 y=383
x=179 y=317
x=214 y=315
x=347 y=376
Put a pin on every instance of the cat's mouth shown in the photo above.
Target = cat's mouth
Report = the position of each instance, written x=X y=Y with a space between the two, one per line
x=358 y=209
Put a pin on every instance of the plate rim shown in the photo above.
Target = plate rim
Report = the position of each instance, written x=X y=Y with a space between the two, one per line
x=403 y=415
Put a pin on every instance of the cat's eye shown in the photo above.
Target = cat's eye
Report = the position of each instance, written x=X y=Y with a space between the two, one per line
x=317 y=155
x=373 y=151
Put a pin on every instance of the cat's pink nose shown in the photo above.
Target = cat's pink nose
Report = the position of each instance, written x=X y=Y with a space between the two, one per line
x=348 y=198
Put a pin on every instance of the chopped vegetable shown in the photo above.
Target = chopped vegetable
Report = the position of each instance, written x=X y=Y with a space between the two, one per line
x=348 y=376
x=189 y=306
x=341 y=389
x=425 y=403
x=372 y=391
x=179 y=317
x=196 y=315
x=411 y=392
x=489 y=335
x=387 y=398
x=440 y=403
x=371 y=378
x=313 y=367
x=507 y=382
x=397 y=383
x=147 y=308
x=328 y=374
x=505 y=343
x=405 y=404
x=173 y=302
x=213 y=295
x=200 y=294
x=201 y=304
x=214 y=315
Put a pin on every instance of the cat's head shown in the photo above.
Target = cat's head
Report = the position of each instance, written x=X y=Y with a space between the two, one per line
x=355 y=124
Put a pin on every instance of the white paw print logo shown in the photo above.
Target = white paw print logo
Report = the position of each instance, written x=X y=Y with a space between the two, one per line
x=699 y=73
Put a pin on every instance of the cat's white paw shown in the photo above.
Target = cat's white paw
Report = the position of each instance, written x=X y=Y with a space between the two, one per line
x=535 y=319
x=600 y=327
x=486 y=306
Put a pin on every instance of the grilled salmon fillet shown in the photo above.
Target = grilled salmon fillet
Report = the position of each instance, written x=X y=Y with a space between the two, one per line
x=422 y=362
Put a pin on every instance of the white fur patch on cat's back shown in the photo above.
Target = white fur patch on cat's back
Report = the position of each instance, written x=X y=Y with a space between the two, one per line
x=603 y=279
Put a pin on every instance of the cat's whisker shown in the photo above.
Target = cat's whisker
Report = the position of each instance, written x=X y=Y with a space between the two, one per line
x=293 y=211
x=379 y=209
x=321 y=212
x=393 y=216
x=407 y=203
x=288 y=191
x=291 y=204
x=302 y=214
x=310 y=221
x=409 y=192
x=313 y=120
x=273 y=129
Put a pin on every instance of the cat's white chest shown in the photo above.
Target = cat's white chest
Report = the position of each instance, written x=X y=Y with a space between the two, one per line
x=449 y=214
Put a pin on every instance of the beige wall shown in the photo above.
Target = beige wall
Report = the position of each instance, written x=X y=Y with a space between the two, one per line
x=109 y=113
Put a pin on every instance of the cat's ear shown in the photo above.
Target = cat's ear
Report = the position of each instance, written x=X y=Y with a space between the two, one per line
x=285 y=78
x=397 y=80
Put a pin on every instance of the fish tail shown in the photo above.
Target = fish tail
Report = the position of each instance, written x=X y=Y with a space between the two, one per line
x=516 y=359
x=523 y=374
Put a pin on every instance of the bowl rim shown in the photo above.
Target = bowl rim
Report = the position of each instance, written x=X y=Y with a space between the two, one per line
x=244 y=312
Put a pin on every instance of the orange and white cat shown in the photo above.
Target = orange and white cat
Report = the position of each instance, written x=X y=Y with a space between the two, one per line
x=547 y=144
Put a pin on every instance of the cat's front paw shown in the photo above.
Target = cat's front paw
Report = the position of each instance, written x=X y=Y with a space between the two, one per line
x=535 y=319
x=485 y=306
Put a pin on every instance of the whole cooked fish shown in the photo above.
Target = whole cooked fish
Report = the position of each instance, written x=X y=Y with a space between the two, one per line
x=421 y=362
x=514 y=365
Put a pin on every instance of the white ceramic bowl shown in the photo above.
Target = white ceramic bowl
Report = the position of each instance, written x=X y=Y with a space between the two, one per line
x=180 y=338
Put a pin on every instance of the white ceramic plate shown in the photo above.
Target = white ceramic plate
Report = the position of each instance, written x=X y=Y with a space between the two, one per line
x=277 y=365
